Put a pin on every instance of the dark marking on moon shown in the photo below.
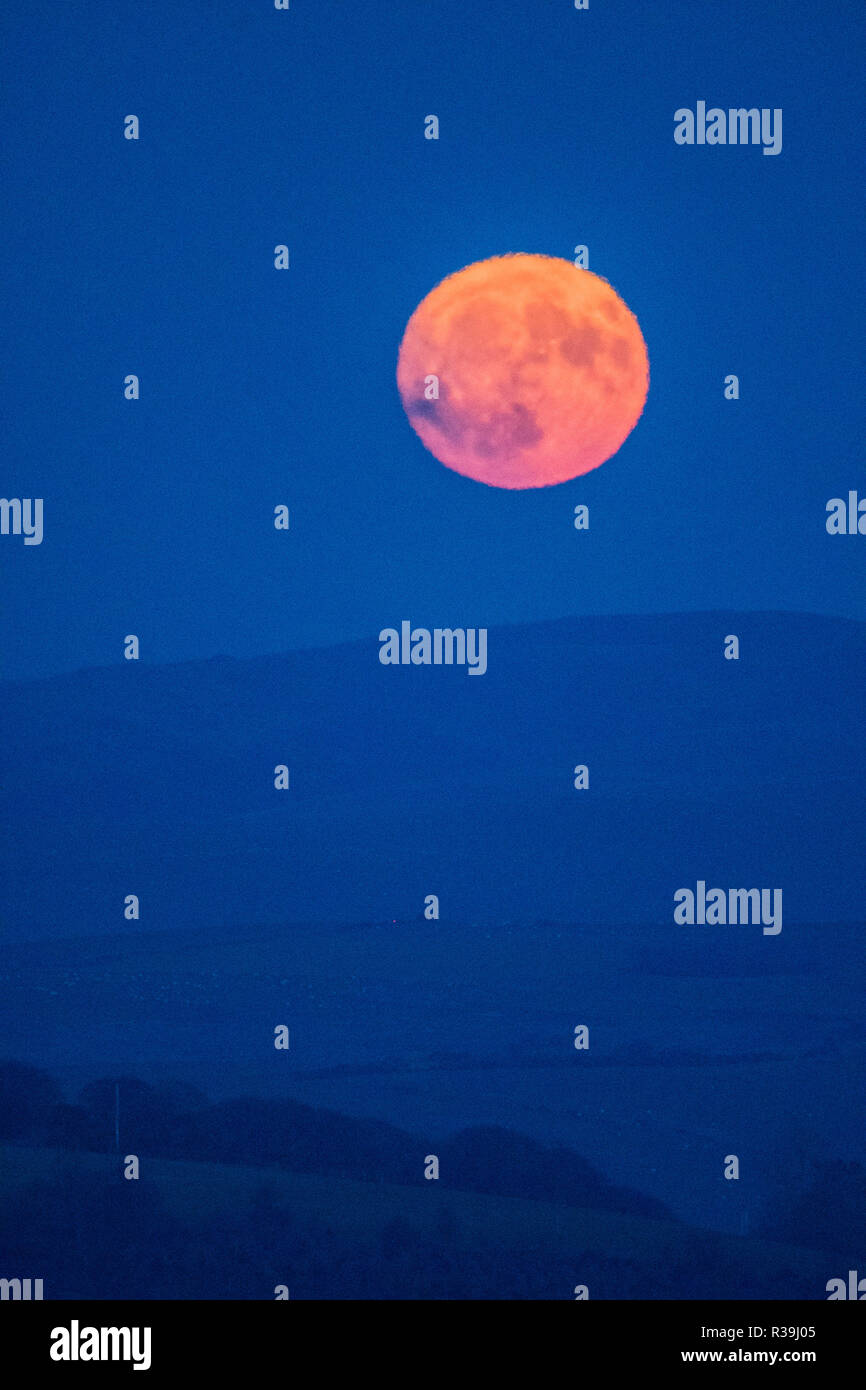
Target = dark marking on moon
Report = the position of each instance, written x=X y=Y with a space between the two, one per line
x=620 y=352
x=507 y=432
x=546 y=321
x=581 y=346
x=441 y=413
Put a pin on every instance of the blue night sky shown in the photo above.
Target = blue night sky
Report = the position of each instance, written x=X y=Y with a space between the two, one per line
x=259 y=387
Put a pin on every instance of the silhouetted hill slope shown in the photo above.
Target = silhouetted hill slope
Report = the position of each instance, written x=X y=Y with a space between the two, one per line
x=177 y=1122
x=412 y=780
x=211 y=1230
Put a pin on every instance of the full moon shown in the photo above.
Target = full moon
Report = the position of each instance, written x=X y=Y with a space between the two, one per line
x=523 y=371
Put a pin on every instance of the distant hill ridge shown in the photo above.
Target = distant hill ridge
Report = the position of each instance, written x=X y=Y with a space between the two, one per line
x=406 y=781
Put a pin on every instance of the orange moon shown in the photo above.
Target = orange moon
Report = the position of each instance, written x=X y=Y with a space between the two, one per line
x=541 y=371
